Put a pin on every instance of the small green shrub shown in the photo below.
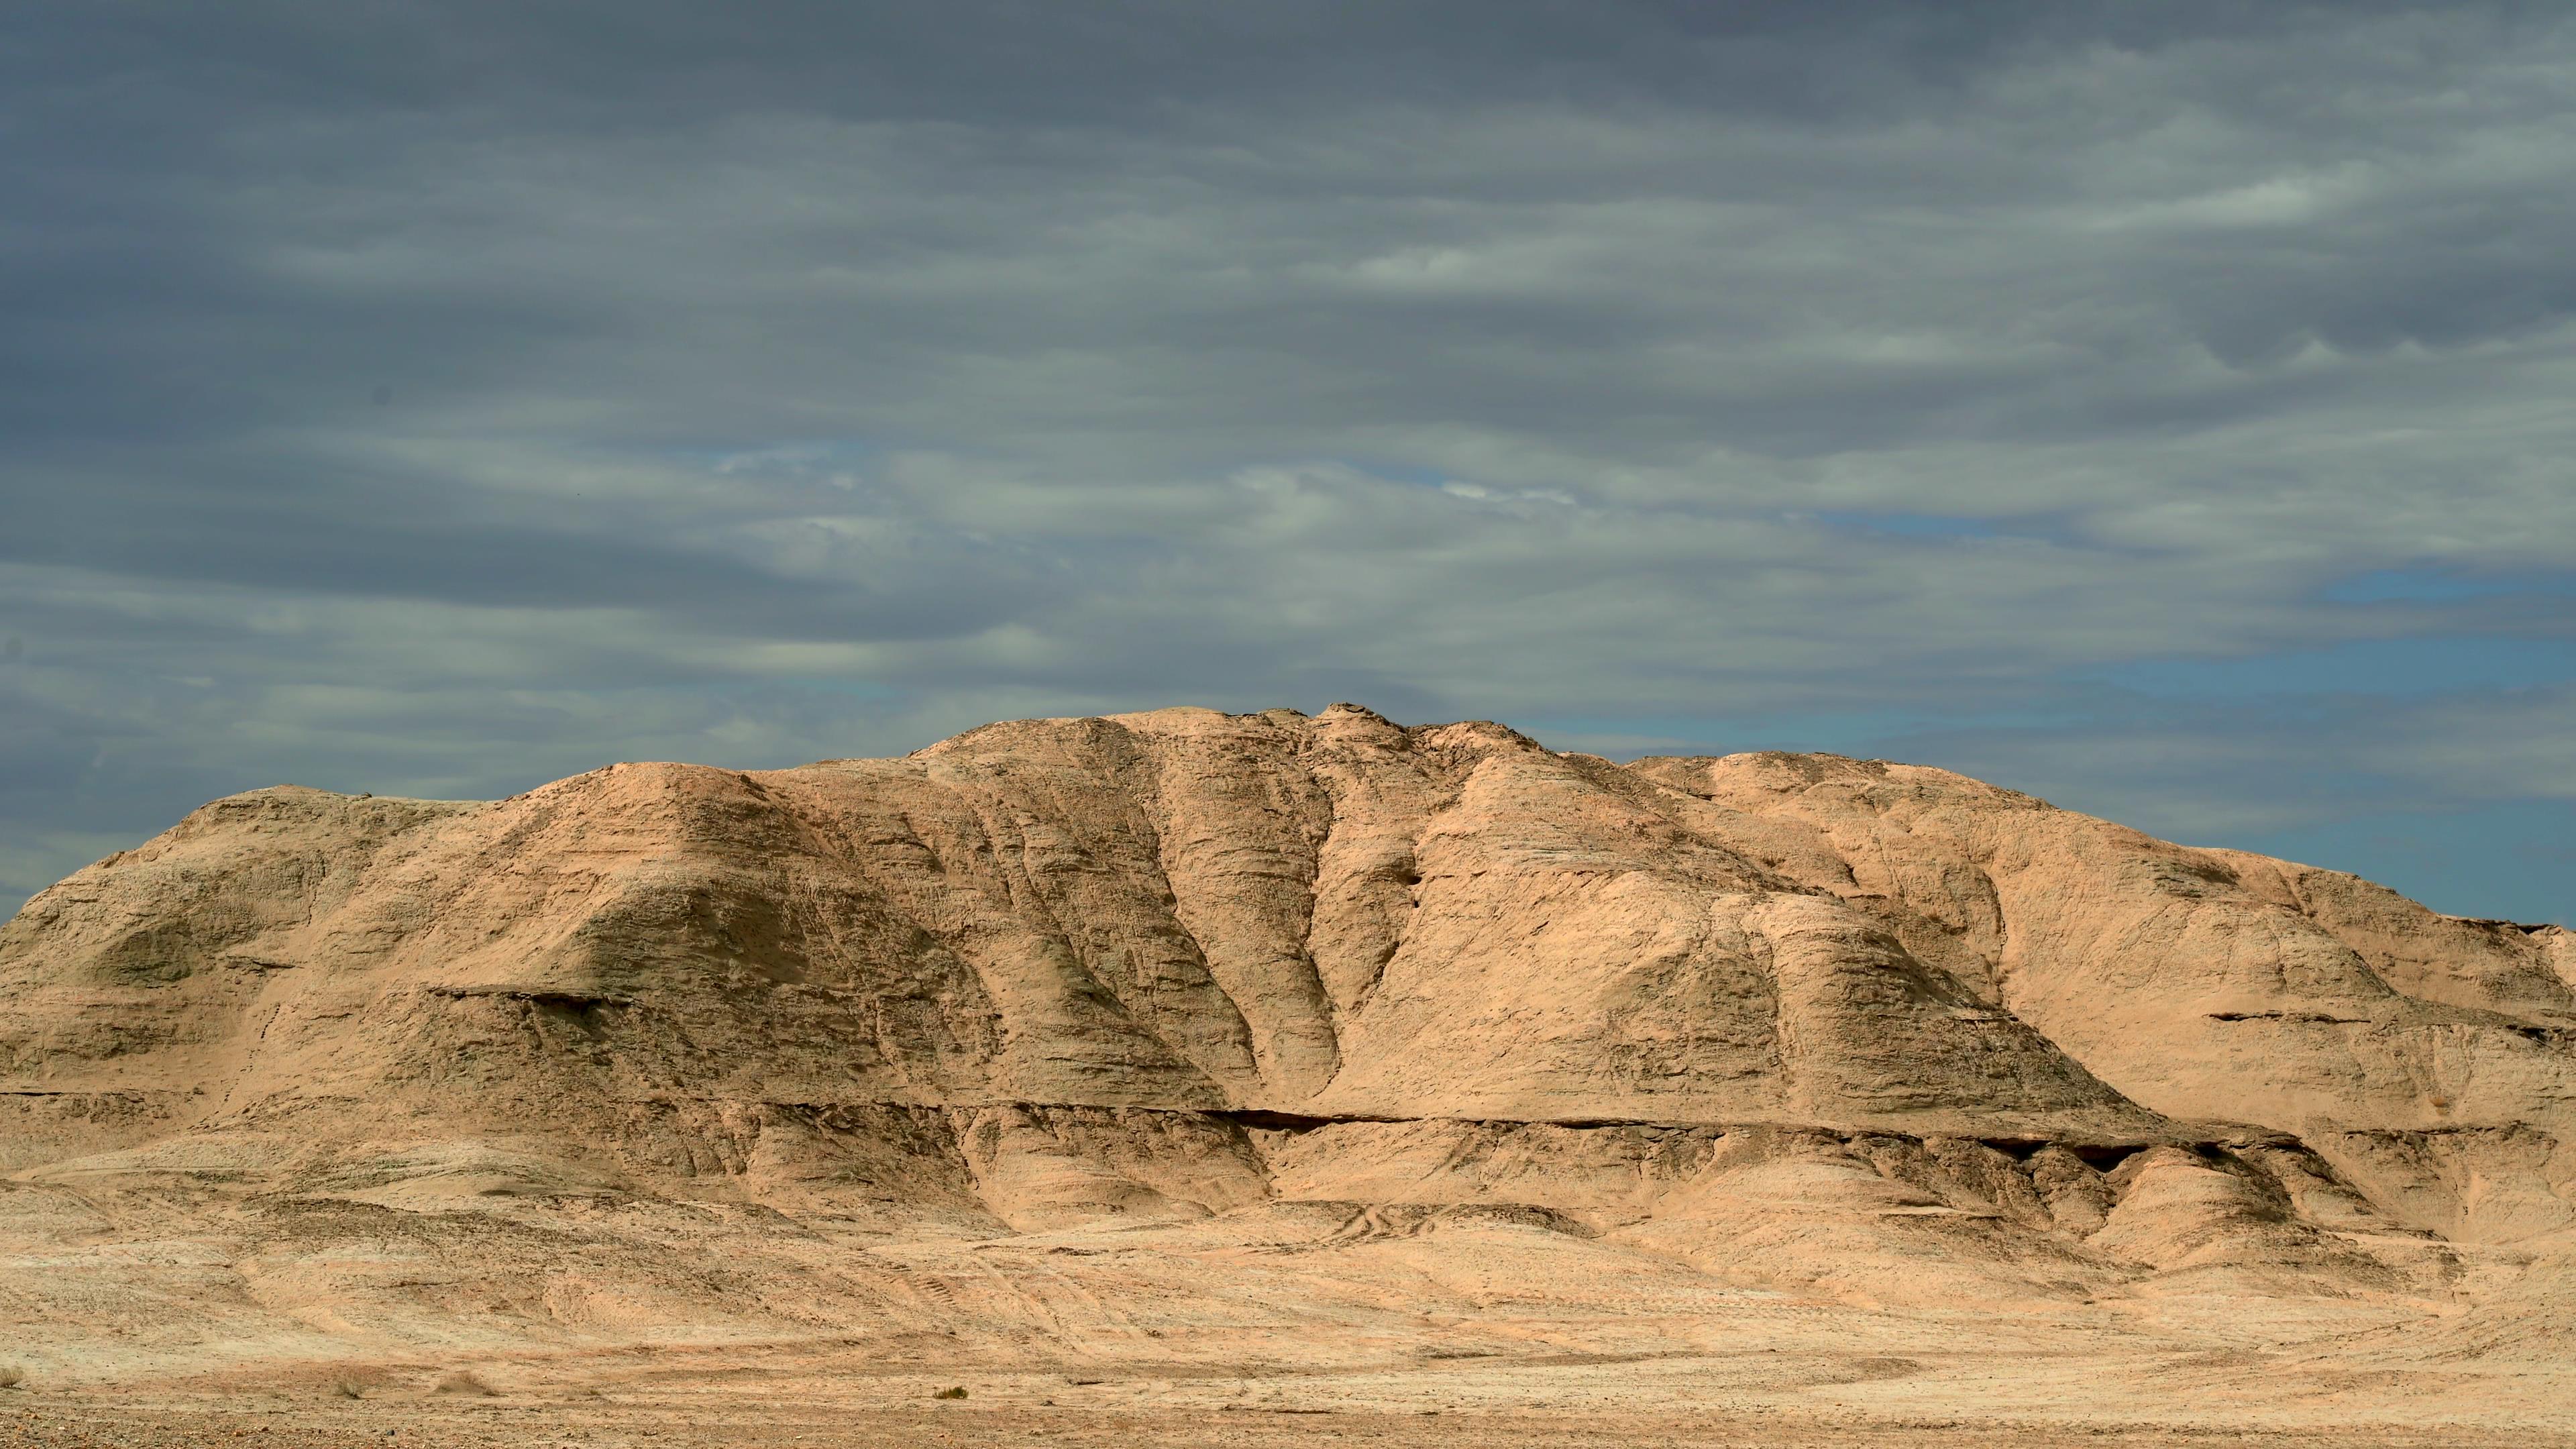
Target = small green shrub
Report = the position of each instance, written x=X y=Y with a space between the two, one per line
x=950 y=1393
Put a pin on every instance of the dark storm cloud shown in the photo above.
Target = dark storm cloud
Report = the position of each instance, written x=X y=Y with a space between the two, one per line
x=436 y=398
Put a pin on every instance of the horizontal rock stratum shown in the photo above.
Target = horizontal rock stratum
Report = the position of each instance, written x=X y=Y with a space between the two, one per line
x=1867 y=1032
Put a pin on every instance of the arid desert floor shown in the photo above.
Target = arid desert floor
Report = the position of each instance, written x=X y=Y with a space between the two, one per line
x=1467 y=1329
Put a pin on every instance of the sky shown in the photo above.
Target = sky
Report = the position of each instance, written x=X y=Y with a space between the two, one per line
x=2167 y=409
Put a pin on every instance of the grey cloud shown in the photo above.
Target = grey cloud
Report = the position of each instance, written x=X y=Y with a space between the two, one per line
x=810 y=384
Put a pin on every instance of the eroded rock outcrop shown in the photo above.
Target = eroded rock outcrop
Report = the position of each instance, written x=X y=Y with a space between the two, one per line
x=1182 y=964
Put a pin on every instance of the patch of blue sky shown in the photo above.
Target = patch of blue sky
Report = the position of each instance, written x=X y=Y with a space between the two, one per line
x=1865 y=734
x=2514 y=860
x=2388 y=667
x=2443 y=586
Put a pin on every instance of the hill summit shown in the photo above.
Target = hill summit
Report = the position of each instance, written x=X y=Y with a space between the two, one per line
x=667 y=1049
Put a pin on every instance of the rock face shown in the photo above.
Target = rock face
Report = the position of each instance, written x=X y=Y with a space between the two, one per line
x=1809 y=1013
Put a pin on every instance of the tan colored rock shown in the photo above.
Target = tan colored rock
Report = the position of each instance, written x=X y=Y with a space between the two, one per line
x=1251 y=986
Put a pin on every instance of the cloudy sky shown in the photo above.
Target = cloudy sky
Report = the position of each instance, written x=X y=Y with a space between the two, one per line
x=2168 y=409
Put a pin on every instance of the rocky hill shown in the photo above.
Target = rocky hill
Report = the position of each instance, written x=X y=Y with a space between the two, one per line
x=1858 y=1032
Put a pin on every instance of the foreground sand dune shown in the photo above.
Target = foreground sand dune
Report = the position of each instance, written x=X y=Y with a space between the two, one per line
x=1185 y=1064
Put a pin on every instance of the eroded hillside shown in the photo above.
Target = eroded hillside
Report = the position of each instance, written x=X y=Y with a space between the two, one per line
x=666 y=1048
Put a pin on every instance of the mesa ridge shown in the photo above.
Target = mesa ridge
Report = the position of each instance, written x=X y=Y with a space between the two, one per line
x=673 y=1050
